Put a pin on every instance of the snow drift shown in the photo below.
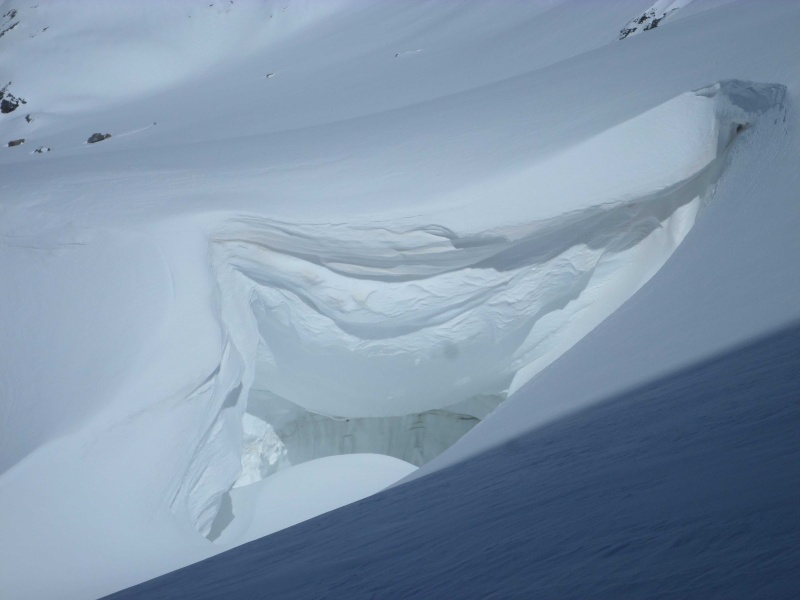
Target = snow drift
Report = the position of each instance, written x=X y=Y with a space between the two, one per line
x=363 y=322
x=286 y=303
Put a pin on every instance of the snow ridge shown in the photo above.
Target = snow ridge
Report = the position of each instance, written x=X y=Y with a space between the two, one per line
x=354 y=333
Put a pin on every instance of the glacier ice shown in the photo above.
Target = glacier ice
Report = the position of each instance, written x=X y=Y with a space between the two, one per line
x=397 y=339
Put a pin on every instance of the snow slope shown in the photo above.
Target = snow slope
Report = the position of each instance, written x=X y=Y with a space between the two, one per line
x=324 y=231
x=684 y=488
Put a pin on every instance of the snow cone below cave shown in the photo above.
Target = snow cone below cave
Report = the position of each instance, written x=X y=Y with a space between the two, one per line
x=289 y=450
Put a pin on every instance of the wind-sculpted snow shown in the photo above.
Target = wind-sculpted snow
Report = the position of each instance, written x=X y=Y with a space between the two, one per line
x=424 y=319
x=327 y=248
x=397 y=339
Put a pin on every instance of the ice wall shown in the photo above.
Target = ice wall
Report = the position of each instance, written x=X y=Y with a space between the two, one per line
x=397 y=338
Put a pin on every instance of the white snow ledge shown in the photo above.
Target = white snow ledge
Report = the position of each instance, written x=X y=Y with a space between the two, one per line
x=397 y=338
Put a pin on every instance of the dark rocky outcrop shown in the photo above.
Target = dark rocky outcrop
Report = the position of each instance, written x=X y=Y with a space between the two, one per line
x=18 y=142
x=98 y=137
x=626 y=32
x=41 y=150
x=8 y=101
x=7 y=25
x=647 y=21
x=653 y=24
x=7 y=106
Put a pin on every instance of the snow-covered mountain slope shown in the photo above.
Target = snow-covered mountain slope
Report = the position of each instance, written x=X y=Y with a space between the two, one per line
x=326 y=240
x=684 y=488
x=652 y=17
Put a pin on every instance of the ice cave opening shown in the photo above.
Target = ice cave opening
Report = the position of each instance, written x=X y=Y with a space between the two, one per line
x=397 y=338
x=401 y=350
x=278 y=434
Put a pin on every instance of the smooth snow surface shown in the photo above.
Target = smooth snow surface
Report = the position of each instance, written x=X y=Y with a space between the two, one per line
x=330 y=242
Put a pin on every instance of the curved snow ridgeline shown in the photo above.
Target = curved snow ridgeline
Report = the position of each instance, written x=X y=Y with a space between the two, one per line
x=397 y=337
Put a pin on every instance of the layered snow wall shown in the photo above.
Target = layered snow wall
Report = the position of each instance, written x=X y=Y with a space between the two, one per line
x=396 y=338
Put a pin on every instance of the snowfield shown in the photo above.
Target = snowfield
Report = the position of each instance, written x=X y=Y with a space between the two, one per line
x=333 y=246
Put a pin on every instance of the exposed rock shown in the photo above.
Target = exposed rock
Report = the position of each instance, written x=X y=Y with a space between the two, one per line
x=6 y=25
x=7 y=106
x=650 y=19
x=98 y=137
x=7 y=29
x=8 y=101
x=41 y=150
x=29 y=119
x=18 y=142
x=653 y=24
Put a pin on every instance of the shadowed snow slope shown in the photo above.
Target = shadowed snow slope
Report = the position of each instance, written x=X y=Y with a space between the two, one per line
x=264 y=297
x=684 y=488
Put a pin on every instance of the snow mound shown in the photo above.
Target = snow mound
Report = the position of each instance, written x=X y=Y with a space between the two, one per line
x=311 y=489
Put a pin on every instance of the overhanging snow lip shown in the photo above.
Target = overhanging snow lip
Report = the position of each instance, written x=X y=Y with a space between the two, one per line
x=610 y=228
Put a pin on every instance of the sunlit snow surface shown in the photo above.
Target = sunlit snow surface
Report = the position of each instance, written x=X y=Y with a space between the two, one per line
x=327 y=240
